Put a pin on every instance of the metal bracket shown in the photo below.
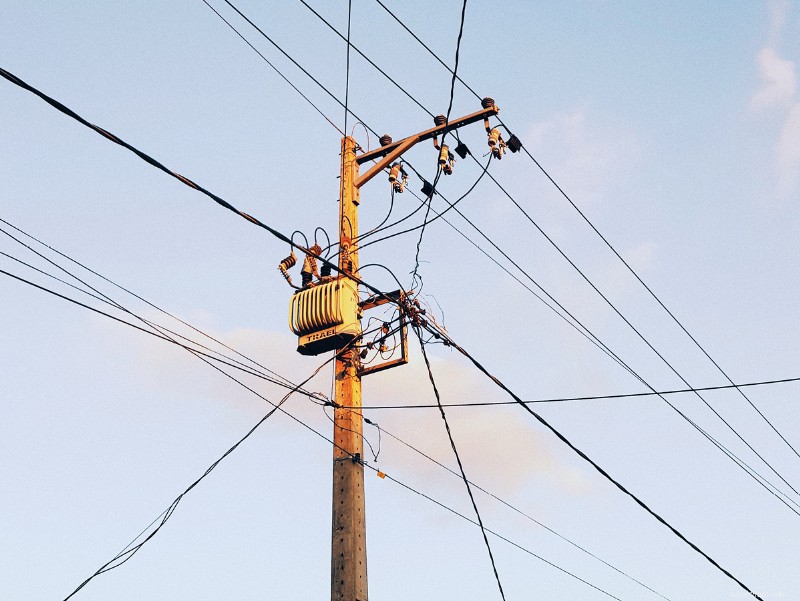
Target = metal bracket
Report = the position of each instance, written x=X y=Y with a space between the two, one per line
x=398 y=296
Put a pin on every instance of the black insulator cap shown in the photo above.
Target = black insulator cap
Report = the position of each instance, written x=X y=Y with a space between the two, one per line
x=439 y=120
x=462 y=150
x=487 y=102
x=385 y=140
x=427 y=188
x=326 y=270
x=513 y=143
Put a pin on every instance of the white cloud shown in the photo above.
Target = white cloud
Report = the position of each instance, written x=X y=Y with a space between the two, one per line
x=779 y=80
x=789 y=153
x=778 y=10
x=586 y=155
x=779 y=92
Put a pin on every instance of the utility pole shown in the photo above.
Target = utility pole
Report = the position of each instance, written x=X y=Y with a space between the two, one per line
x=326 y=316
x=349 y=531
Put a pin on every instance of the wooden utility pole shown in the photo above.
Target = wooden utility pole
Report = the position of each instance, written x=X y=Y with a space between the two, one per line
x=349 y=532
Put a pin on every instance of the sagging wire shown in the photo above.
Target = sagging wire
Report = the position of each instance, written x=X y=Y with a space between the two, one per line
x=378 y=344
x=385 y=219
x=130 y=550
x=458 y=460
x=327 y=237
x=426 y=204
x=361 y=434
x=451 y=343
x=366 y=130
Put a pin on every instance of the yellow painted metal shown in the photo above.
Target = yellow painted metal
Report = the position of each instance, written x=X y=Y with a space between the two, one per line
x=349 y=535
x=325 y=316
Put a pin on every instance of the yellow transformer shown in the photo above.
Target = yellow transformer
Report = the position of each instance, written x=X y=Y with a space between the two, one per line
x=325 y=317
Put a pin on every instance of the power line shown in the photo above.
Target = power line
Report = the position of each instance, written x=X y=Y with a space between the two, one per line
x=480 y=367
x=295 y=63
x=274 y=68
x=506 y=503
x=640 y=335
x=217 y=199
x=439 y=174
x=594 y=397
x=613 y=307
x=492 y=532
x=125 y=554
x=460 y=465
x=129 y=551
x=426 y=221
x=361 y=54
x=96 y=294
x=347 y=70
x=586 y=458
x=179 y=177
x=601 y=236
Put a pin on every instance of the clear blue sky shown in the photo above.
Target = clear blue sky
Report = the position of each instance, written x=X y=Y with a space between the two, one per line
x=674 y=127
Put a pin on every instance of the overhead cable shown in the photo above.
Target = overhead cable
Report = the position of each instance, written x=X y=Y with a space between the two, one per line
x=602 y=237
x=274 y=68
x=590 y=461
x=458 y=461
x=507 y=504
x=627 y=322
x=131 y=549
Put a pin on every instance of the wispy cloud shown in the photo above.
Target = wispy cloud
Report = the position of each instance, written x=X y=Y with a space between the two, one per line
x=778 y=92
x=586 y=156
x=779 y=82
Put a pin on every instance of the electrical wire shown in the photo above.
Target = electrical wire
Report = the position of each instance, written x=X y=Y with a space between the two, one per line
x=225 y=204
x=138 y=297
x=641 y=336
x=438 y=215
x=161 y=331
x=460 y=465
x=15 y=80
x=129 y=551
x=274 y=68
x=708 y=405
x=506 y=503
x=148 y=159
x=601 y=236
x=296 y=64
x=591 y=462
x=593 y=397
x=659 y=301
x=440 y=169
x=362 y=55
x=347 y=70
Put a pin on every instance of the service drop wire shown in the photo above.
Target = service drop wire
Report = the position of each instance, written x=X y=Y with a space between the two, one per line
x=458 y=460
x=450 y=342
x=129 y=551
